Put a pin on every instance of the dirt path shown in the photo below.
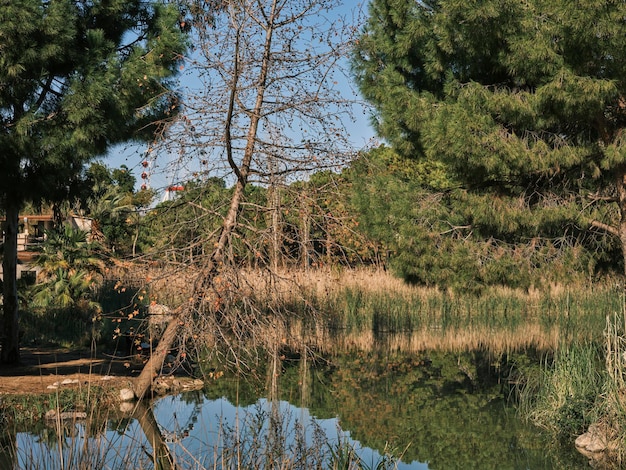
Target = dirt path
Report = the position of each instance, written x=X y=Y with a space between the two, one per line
x=41 y=369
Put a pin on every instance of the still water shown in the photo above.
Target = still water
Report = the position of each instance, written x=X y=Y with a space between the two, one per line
x=443 y=412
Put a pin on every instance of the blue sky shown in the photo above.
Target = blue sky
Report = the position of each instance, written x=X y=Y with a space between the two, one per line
x=359 y=132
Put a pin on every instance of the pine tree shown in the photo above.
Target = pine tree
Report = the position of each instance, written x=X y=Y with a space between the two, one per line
x=523 y=101
x=75 y=78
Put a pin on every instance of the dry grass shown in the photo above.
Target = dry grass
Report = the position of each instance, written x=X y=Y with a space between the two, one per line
x=528 y=337
x=351 y=308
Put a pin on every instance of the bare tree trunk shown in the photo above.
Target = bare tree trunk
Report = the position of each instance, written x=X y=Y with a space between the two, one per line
x=10 y=341
x=151 y=369
x=135 y=239
x=305 y=236
x=328 y=243
x=275 y=229
x=162 y=456
x=242 y=171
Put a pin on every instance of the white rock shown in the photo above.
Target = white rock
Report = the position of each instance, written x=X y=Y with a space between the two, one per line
x=127 y=407
x=127 y=394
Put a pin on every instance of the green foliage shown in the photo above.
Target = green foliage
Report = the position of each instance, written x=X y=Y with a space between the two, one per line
x=523 y=105
x=565 y=395
x=312 y=218
x=98 y=177
x=320 y=226
x=73 y=85
x=186 y=227
x=75 y=78
x=62 y=303
x=438 y=234
x=108 y=197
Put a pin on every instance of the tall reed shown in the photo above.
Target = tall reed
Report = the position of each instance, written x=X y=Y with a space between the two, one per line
x=564 y=395
x=357 y=303
x=364 y=301
x=584 y=384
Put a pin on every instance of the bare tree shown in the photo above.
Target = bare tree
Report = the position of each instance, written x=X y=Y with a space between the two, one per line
x=267 y=108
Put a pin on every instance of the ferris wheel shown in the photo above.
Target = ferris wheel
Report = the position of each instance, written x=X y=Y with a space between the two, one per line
x=148 y=164
x=174 y=185
x=145 y=174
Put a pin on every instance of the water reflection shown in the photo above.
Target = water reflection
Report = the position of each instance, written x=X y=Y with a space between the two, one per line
x=447 y=409
x=214 y=426
x=192 y=432
x=441 y=411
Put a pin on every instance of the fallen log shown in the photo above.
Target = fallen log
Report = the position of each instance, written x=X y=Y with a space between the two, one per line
x=143 y=383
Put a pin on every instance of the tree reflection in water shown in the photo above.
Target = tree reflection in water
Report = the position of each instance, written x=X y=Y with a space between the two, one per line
x=446 y=409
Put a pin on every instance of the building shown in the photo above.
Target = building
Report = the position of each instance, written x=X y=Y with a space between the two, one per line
x=31 y=234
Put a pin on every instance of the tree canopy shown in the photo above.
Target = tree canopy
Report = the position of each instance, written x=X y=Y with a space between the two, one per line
x=523 y=103
x=75 y=77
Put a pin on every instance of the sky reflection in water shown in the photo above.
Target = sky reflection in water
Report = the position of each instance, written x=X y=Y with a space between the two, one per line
x=207 y=419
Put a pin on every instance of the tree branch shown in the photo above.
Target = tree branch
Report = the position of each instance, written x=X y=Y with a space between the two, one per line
x=605 y=227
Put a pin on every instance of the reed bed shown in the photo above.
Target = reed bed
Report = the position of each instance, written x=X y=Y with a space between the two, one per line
x=345 y=310
x=581 y=328
x=563 y=396
x=359 y=308
x=496 y=342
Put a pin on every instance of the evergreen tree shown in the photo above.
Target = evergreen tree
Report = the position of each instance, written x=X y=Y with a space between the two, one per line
x=523 y=101
x=70 y=268
x=433 y=232
x=75 y=77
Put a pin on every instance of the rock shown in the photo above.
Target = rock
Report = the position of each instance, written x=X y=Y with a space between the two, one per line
x=127 y=407
x=193 y=384
x=598 y=445
x=166 y=385
x=158 y=309
x=65 y=415
x=127 y=394
x=161 y=387
x=589 y=442
x=593 y=441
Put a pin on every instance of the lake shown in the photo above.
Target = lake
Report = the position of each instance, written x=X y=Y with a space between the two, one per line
x=432 y=411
